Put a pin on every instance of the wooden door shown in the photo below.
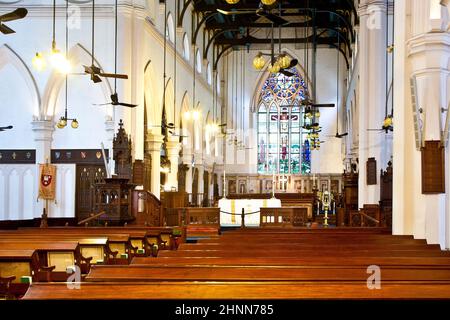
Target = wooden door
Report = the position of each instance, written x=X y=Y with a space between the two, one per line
x=87 y=177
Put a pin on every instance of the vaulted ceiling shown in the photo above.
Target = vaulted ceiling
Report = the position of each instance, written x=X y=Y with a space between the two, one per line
x=315 y=22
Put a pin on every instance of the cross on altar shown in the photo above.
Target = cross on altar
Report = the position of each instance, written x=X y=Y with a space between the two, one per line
x=283 y=182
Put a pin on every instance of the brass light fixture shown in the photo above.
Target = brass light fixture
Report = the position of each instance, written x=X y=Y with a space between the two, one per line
x=232 y=1
x=62 y=123
x=57 y=60
x=268 y=2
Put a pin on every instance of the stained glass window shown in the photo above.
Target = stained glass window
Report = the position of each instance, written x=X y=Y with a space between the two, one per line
x=280 y=135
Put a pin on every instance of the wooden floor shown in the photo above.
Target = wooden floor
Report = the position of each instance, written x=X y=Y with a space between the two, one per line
x=273 y=264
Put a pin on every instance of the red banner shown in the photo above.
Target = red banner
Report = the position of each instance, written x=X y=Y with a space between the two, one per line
x=47 y=181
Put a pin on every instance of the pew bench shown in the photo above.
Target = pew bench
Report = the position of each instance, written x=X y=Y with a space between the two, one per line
x=53 y=257
x=261 y=273
x=95 y=247
x=238 y=290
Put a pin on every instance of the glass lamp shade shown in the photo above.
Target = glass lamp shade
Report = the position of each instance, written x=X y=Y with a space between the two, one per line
x=75 y=124
x=317 y=114
x=38 y=62
x=387 y=122
x=284 y=61
x=61 y=123
x=196 y=115
x=275 y=68
x=187 y=115
x=59 y=61
x=258 y=62
x=267 y=2
x=232 y=1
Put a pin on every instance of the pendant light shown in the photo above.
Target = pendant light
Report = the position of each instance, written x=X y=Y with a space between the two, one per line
x=62 y=123
x=57 y=60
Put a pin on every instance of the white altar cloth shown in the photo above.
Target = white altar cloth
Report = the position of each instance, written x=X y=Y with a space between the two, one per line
x=250 y=205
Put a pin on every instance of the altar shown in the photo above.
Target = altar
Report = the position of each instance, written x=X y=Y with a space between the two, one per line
x=231 y=209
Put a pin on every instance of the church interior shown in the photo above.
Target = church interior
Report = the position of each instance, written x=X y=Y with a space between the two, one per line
x=223 y=149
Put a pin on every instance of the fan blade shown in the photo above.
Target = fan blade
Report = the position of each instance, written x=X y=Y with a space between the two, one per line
x=101 y=104
x=286 y=73
x=228 y=13
x=6 y=30
x=17 y=14
x=277 y=20
x=128 y=105
x=326 y=105
x=340 y=136
x=113 y=75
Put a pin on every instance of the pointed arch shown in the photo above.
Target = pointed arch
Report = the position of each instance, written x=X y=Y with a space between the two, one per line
x=264 y=75
x=187 y=123
x=9 y=56
x=77 y=54
x=153 y=109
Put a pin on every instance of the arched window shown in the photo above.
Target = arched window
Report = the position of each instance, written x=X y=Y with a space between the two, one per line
x=170 y=30
x=280 y=122
x=198 y=61
x=186 y=51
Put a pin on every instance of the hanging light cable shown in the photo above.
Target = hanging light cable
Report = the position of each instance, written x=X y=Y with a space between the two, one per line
x=62 y=123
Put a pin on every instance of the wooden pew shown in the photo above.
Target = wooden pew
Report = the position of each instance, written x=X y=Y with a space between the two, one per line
x=15 y=264
x=124 y=242
x=140 y=237
x=260 y=273
x=90 y=246
x=239 y=290
x=299 y=253
x=324 y=261
x=53 y=257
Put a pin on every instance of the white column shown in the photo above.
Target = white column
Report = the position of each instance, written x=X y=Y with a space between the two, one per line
x=173 y=152
x=429 y=55
x=154 y=142
x=424 y=56
x=372 y=92
x=201 y=170
x=187 y=159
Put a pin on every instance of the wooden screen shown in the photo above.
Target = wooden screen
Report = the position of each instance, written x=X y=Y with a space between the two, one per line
x=371 y=171
x=433 y=168
x=87 y=176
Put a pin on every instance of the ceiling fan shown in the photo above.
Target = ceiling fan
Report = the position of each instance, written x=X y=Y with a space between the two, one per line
x=262 y=11
x=5 y=128
x=17 y=14
x=338 y=135
x=94 y=71
x=95 y=78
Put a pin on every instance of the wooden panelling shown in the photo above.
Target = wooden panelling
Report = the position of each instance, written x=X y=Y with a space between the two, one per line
x=433 y=168
x=371 y=166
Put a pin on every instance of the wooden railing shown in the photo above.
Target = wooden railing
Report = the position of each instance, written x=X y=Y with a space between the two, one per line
x=368 y=216
x=191 y=216
x=284 y=217
x=91 y=218
x=147 y=208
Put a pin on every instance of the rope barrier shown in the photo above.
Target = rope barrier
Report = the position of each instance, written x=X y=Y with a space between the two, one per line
x=239 y=214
